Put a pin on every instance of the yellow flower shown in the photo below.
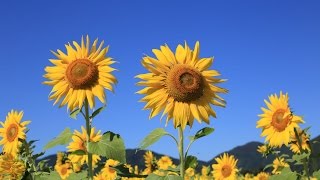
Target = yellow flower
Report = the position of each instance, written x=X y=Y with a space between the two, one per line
x=108 y=172
x=190 y=173
x=99 y=176
x=278 y=165
x=248 y=176
x=225 y=168
x=277 y=122
x=79 y=143
x=304 y=137
x=148 y=160
x=12 y=130
x=164 y=162
x=262 y=149
x=80 y=74
x=262 y=176
x=180 y=85
x=10 y=167
x=59 y=161
x=64 y=170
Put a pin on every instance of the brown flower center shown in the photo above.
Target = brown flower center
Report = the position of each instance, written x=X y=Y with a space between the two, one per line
x=64 y=170
x=279 y=122
x=226 y=171
x=82 y=74
x=12 y=132
x=184 y=83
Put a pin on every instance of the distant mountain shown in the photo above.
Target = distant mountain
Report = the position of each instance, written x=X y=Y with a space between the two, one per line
x=249 y=160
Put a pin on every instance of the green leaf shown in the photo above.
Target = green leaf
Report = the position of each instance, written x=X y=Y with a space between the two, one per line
x=167 y=177
x=267 y=166
x=78 y=176
x=191 y=161
x=202 y=132
x=96 y=112
x=79 y=152
x=54 y=175
x=286 y=174
x=300 y=157
x=111 y=146
x=63 y=138
x=74 y=113
x=316 y=174
x=153 y=137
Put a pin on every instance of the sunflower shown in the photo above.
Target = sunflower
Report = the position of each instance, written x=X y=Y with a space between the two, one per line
x=10 y=167
x=294 y=144
x=12 y=130
x=180 y=85
x=164 y=162
x=64 y=170
x=108 y=172
x=79 y=143
x=149 y=162
x=225 y=168
x=278 y=165
x=190 y=173
x=262 y=176
x=262 y=149
x=80 y=74
x=278 y=122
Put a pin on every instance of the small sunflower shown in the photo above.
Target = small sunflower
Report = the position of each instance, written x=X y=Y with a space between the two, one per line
x=278 y=165
x=294 y=144
x=278 y=122
x=164 y=162
x=108 y=172
x=64 y=170
x=180 y=85
x=263 y=149
x=262 y=176
x=149 y=162
x=190 y=173
x=225 y=168
x=79 y=143
x=10 y=167
x=81 y=74
x=12 y=130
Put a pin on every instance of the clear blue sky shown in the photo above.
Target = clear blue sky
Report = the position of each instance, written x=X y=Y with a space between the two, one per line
x=261 y=47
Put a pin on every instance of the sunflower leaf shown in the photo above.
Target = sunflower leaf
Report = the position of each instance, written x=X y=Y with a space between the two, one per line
x=63 y=138
x=111 y=146
x=74 y=113
x=201 y=133
x=286 y=174
x=79 y=152
x=167 y=177
x=96 y=112
x=153 y=137
x=316 y=174
x=191 y=161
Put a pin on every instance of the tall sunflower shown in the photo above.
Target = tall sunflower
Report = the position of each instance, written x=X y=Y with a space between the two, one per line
x=180 y=85
x=82 y=73
x=225 y=168
x=13 y=129
x=278 y=122
x=79 y=143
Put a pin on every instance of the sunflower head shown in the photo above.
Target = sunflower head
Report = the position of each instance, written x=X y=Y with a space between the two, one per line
x=107 y=171
x=164 y=162
x=262 y=176
x=64 y=170
x=11 y=131
x=278 y=165
x=181 y=85
x=225 y=168
x=82 y=73
x=10 y=167
x=79 y=140
x=278 y=122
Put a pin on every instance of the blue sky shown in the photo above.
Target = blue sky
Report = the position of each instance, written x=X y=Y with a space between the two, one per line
x=261 y=47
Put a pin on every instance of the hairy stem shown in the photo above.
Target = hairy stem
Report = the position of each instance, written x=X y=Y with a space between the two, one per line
x=88 y=127
x=181 y=152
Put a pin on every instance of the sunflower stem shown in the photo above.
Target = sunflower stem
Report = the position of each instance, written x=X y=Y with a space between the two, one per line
x=88 y=127
x=305 y=160
x=181 y=152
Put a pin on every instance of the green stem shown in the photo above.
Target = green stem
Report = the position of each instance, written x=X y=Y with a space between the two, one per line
x=305 y=160
x=88 y=127
x=181 y=152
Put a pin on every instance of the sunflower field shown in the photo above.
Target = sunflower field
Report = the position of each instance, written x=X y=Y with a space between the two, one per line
x=182 y=87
